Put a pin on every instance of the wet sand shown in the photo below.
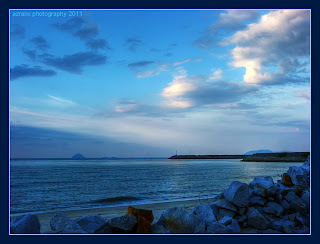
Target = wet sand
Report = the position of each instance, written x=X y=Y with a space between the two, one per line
x=111 y=212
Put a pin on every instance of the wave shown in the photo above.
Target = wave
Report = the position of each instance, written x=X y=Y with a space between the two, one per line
x=117 y=199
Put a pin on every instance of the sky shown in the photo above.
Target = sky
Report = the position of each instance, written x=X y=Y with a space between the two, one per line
x=145 y=83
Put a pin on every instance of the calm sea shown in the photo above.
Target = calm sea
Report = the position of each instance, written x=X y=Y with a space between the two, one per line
x=52 y=185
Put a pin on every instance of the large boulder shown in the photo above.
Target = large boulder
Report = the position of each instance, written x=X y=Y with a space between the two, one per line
x=178 y=220
x=225 y=220
x=25 y=224
x=105 y=229
x=144 y=219
x=217 y=228
x=123 y=224
x=91 y=224
x=205 y=212
x=238 y=194
x=257 y=201
x=225 y=204
x=282 y=225
x=234 y=227
x=286 y=180
x=295 y=202
x=263 y=186
x=62 y=224
x=273 y=208
x=299 y=175
x=257 y=220
x=225 y=212
x=159 y=229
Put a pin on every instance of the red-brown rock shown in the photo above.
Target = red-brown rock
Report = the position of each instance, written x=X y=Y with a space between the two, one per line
x=286 y=180
x=144 y=219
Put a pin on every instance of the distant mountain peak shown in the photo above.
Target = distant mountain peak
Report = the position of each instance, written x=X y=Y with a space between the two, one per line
x=258 y=151
x=78 y=156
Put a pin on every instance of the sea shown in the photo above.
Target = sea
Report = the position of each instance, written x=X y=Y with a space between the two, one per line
x=46 y=185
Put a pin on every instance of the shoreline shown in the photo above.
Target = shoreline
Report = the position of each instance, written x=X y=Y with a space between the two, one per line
x=115 y=211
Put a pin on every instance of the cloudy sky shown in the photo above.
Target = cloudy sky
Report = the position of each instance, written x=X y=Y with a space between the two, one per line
x=145 y=83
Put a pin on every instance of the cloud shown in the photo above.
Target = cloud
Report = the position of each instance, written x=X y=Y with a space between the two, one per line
x=192 y=91
x=87 y=31
x=96 y=44
x=70 y=25
x=17 y=32
x=217 y=75
x=61 y=101
x=73 y=63
x=305 y=94
x=182 y=62
x=279 y=39
x=148 y=73
x=227 y=22
x=235 y=19
x=132 y=44
x=40 y=43
x=24 y=70
x=140 y=64
x=32 y=54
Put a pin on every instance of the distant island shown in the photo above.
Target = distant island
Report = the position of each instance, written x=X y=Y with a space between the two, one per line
x=78 y=156
x=258 y=151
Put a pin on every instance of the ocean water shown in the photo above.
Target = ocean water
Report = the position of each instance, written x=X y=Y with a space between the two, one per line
x=53 y=185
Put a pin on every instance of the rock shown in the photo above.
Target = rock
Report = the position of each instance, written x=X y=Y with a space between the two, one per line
x=242 y=211
x=302 y=219
x=305 y=197
x=225 y=212
x=223 y=203
x=238 y=194
x=91 y=224
x=250 y=231
x=307 y=162
x=215 y=210
x=144 y=219
x=302 y=230
x=251 y=209
x=205 y=212
x=234 y=227
x=242 y=219
x=257 y=220
x=122 y=224
x=285 y=226
x=273 y=208
x=25 y=224
x=256 y=200
x=159 y=229
x=105 y=229
x=201 y=228
x=60 y=223
x=225 y=220
x=263 y=186
x=295 y=202
x=292 y=217
x=285 y=205
x=217 y=228
x=286 y=180
x=299 y=175
x=283 y=189
x=178 y=220
x=278 y=197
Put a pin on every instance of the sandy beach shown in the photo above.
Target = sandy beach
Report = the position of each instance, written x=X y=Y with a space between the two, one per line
x=111 y=212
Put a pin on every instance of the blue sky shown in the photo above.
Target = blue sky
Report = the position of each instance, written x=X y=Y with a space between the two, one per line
x=143 y=83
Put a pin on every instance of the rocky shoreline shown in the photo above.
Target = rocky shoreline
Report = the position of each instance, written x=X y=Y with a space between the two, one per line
x=260 y=207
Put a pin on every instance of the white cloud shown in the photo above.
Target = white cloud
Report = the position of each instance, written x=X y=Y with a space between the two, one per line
x=148 y=73
x=182 y=62
x=217 y=75
x=178 y=87
x=279 y=36
x=61 y=101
